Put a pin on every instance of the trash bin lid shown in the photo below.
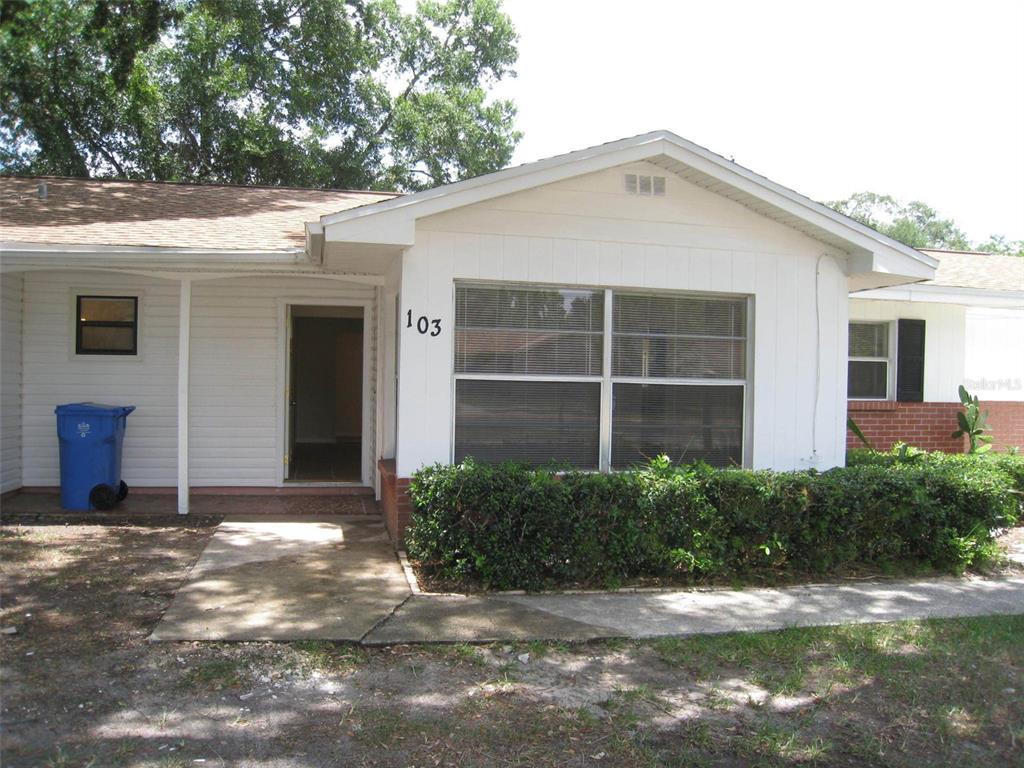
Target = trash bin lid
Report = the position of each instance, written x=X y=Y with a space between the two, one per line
x=83 y=409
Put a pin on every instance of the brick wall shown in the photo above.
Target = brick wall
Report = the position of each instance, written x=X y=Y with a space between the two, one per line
x=1007 y=421
x=394 y=501
x=929 y=425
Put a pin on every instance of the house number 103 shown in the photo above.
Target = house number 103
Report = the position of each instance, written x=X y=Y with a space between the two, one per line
x=424 y=324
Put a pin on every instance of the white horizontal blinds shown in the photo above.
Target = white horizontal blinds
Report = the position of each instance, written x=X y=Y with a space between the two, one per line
x=869 y=340
x=534 y=422
x=528 y=331
x=868 y=366
x=658 y=338
x=685 y=422
x=683 y=337
x=504 y=337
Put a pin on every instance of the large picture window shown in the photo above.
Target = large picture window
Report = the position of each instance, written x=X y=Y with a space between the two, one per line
x=107 y=325
x=598 y=379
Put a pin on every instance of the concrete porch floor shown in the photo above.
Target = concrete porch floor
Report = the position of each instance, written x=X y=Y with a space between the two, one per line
x=288 y=501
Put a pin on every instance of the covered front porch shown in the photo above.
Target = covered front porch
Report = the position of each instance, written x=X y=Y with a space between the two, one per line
x=213 y=378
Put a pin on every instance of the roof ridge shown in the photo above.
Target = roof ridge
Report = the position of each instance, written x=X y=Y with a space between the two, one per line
x=205 y=185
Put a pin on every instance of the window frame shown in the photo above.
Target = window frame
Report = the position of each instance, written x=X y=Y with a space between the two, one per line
x=889 y=360
x=606 y=379
x=79 y=325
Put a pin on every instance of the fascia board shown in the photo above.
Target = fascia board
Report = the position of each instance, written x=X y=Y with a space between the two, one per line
x=943 y=294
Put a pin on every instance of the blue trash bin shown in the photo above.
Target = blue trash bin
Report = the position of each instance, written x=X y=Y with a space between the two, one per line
x=91 y=436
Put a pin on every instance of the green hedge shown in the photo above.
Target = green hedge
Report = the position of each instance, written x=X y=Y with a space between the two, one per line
x=1010 y=464
x=510 y=526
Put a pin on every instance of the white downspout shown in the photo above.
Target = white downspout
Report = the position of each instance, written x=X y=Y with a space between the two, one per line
x=184 y=337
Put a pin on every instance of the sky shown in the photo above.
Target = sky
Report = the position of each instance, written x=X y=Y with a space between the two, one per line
x=918 y=100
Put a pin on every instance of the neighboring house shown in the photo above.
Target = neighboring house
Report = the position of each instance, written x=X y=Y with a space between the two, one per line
x=594 y=308
x=912 y=346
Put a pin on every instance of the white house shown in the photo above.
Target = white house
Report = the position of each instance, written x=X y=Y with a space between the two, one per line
x=594 y=308
x=912 y=346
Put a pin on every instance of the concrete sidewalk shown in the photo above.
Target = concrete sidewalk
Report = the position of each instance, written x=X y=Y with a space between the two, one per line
x=337 y=578
x=436 y=618
x=289 y=578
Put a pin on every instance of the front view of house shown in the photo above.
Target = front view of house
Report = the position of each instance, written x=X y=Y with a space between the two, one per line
x=594 y=309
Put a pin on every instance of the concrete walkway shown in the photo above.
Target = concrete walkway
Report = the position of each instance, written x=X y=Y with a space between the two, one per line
x=430 y=618
x=337 y=578
x=265 y=578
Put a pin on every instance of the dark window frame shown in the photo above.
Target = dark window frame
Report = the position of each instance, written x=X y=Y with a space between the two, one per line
x=80 y=325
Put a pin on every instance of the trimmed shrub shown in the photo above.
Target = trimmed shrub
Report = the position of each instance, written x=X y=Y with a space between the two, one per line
x=1011 y=465
x=511 y=527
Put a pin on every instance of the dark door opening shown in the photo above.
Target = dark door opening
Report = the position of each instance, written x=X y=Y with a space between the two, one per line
x=325 y=404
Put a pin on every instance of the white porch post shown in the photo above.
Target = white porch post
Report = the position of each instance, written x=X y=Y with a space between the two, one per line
x=184 y=335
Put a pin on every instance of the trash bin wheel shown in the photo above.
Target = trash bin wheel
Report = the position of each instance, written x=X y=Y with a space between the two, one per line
x=122 y=491
x=102 y=496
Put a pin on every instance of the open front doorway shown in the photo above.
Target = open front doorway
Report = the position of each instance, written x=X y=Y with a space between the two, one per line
x=325 y=394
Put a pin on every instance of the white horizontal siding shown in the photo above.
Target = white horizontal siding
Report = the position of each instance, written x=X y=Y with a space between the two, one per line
x=54 y=375
x=588 y=231
x=235 y=405
x=235 y=363
x=944 y=340
x=11 y=288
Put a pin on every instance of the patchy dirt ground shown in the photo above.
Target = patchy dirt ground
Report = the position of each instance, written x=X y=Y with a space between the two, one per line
x=83 y=687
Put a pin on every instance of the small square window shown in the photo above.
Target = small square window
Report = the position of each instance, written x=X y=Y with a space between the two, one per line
x=107 y=325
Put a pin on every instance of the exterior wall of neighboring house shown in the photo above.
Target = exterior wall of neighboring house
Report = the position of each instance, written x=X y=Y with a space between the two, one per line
x=236 y=385
x=11 y=286
x=588 y=231
x=975 y=346
x=944 y=351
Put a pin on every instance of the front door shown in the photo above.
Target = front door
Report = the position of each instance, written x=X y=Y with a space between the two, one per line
x=325 y=394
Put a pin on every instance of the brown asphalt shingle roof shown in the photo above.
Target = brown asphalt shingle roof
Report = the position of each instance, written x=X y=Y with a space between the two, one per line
x=237 y=218
x=143 y=213
x=986 y=271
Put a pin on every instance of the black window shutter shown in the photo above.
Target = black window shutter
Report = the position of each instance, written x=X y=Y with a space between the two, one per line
x=910 y=361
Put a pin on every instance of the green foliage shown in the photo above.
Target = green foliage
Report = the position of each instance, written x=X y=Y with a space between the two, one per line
x=853 y=427
x=973 y=423
x=999 y=244
x=915 y=223
x=509 y=526
x=1009 y=465
x=339 y=93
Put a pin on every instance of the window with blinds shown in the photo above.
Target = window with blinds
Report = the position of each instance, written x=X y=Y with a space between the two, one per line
x=543 y=331
x=534 y=422
x=687 y=337
x=686 y=423
x=514 y=348
x=868 y=365
x=530 y=374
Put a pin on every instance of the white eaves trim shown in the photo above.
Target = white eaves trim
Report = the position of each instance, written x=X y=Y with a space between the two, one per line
x=168 y=263
x=397 y=216
x=945 y=294
x=149 y=253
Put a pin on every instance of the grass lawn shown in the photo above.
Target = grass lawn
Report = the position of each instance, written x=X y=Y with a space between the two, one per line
x=83 y=687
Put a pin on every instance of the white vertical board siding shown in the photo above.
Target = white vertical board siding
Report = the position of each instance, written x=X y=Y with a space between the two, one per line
x=11 y=288
x=52 y=374
x=944 y=340
x=235 y=402
x=236 y=405
x=588 y=231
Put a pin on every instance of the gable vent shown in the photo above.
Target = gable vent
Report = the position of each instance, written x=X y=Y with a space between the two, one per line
x=638 y=184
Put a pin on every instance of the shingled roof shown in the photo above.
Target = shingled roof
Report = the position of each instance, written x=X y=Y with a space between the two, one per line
x=974 y=269
x=143 y=213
